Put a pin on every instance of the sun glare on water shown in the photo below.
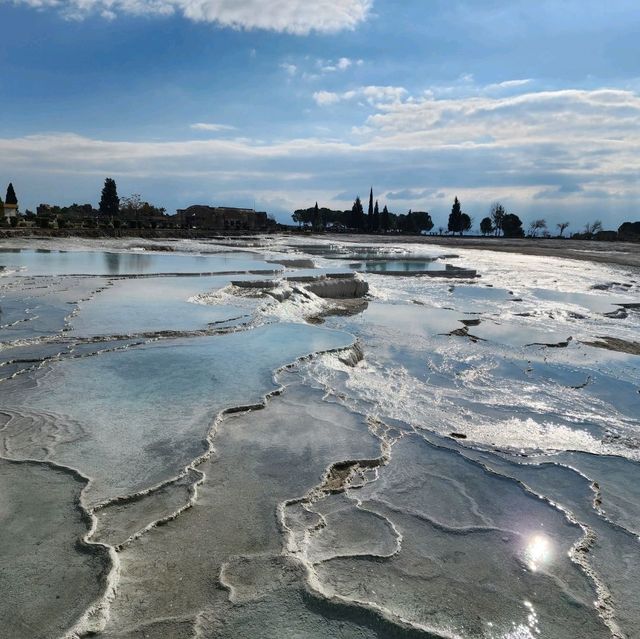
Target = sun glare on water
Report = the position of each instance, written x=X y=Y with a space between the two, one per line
x=539 y=551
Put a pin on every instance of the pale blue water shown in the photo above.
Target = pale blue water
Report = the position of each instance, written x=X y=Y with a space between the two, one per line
x=598 y=303
x=45 y=262
x=133 y=418
x=133 y=306
x=392 y=266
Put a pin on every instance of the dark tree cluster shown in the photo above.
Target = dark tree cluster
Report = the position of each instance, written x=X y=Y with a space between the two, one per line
x=512 y=225
x=355 y=219
x=498 y=222
x=113 y=213
x=486 y=226
x=629 y=231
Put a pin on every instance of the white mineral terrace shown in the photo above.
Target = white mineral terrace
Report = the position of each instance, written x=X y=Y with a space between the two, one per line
x=313 y=438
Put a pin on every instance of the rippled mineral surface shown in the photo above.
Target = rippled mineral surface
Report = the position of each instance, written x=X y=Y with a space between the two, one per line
x=205 y=440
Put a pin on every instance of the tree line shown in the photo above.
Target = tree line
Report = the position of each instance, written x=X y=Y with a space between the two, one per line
x=130 y=207
x=136 y=212
x=355 y=218
x=499 y=221
x=113 y=212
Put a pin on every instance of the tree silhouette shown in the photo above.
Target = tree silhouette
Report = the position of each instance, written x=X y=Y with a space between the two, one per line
x=357 y=215
x=497 y=215
x=562 y=226
x=370 y=211
x=385 y=220
x=317 y=218
x=11 y=195
x=465 y=223
x=629 y=231
x=512 y=225
x=109 y=200
x=376 y=217
x=455 y=217
x=486 y=226
x=537 y=225
x=410 y=222
x=422 y=221
x=592 y=229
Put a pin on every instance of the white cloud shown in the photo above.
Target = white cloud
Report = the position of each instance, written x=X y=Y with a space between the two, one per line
x=372 y=94
x=593 y=133
x=513 y=83
x=290 y=16
x=568 y=119
x=383 y=94
x=466 y=85
x=209 y=126
x=342 y=64
x=290 y=69
x=326 y=98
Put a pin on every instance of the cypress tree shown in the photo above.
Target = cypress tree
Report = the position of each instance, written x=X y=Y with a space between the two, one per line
x=370 y=211
x=376 y=217
x=357 y=215
x=455 y=217
x=11 y=195
x=385 y=221
x=109 y=200
x=317 y=218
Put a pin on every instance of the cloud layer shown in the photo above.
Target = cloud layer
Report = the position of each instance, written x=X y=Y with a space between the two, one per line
x=577 y=148
x=289 y=16
x=211 y=127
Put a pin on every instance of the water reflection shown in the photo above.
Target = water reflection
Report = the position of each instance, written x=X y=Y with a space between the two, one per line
x=117 y=263
x=45 y=262
x=394 y=266
x=539 y=551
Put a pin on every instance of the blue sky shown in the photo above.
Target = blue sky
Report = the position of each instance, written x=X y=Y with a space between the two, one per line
x=285 y=102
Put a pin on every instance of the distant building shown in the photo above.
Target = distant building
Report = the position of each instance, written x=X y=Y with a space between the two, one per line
x=10 y=210
x=10 y=205
x=222 y=218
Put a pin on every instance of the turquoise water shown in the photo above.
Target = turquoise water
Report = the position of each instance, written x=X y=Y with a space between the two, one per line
x=133 y=306
x=150 y=408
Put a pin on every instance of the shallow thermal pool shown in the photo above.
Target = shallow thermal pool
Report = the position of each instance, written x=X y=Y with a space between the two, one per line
x=62 y=262
x=393 y=266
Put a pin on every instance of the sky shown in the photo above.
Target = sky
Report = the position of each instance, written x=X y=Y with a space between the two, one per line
x=278 y=104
